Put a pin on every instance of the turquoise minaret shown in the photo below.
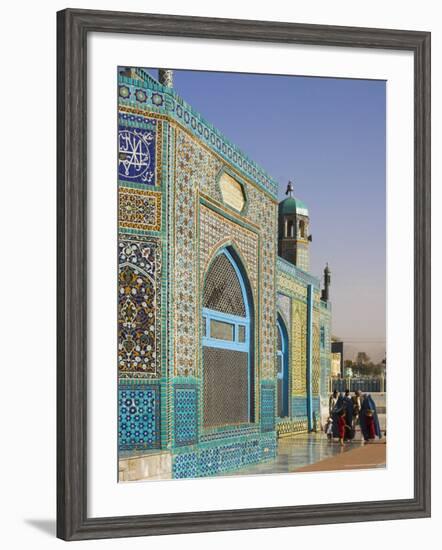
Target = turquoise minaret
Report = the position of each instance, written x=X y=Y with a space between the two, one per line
x=293 y=230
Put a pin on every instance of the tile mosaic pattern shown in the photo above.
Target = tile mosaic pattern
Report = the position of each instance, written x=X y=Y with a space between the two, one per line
x=139 y=209
x=288 y=427
x=139 y=149
x=262 y=211
x=186 y=414
x=325 y=320
x=185 y=465
x=316 y=362
x=298 y=347
x=316 y=401
x=241 y=430
x=296 y=274
x=192 y=165
x=224 y=458
x=284 y=305
x=139 y=91
x=290 y=286
x=299 y=406
x=268 y=411
x=216 y=230
x=139 y=328
x=139 y=416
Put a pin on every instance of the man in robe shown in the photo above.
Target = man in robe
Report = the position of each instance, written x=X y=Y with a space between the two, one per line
x=332 y=402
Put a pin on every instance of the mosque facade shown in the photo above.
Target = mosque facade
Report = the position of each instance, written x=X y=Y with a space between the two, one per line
x=223 y=334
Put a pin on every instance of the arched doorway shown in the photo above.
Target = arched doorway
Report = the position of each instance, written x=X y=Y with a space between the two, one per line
x=283 y=368
x=227 y=342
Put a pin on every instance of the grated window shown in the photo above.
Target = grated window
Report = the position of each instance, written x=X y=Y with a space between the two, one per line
x=225 y=386
x=222 y=291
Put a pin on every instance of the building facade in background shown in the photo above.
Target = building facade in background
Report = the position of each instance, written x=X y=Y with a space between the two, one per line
x=224 y=345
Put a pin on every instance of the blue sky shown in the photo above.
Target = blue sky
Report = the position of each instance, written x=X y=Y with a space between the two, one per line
x=328 y=136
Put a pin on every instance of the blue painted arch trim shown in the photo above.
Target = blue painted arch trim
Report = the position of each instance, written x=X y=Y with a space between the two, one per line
x=283 y=375
x=237 y=321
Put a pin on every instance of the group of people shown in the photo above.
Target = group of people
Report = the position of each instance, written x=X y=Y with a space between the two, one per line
x=346 y=412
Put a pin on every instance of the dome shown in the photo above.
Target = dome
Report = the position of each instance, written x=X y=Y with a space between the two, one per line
x=290 y=205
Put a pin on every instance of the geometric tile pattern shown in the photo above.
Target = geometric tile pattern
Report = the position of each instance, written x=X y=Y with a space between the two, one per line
x=286 y=427
x=297 y=274
x=214 y=229
x=284 y=306
x=299 y=406
x=186 y=414
x=139 y=209
x=241 y=430
x=316 y=363
x=185 y=465
x=138 y=305
x=290 y=286
x=316 y=402
x=267 y=407
x=212 y=461
x=139 y=417
x=262 y=211
x=325 y=319
x=299 y=361
x=145 y=93
x=193 y=164
x=269 y=447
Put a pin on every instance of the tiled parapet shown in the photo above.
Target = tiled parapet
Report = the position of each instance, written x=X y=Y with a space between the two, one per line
x=141 y=91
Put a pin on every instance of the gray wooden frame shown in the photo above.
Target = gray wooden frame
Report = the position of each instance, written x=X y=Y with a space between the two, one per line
x=73 y=27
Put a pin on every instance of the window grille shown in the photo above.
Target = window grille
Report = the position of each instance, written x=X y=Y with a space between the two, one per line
x=222 y=291
x=225 y=387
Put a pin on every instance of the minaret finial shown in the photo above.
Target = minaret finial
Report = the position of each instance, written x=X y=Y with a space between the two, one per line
x=325 y=295
x=290 y=189
x=165 y=77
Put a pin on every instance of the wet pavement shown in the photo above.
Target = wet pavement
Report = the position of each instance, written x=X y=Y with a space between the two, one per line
x=297 y=451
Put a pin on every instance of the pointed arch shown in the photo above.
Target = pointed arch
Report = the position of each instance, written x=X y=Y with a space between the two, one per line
x=227 y=341
x=282 y=355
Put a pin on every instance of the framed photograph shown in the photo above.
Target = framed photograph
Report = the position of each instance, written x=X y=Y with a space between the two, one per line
x=243 y=274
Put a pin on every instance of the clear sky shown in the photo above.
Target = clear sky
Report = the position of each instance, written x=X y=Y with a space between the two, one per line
x=328 y=137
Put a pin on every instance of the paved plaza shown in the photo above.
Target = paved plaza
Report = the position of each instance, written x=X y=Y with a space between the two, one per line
x=314 y=452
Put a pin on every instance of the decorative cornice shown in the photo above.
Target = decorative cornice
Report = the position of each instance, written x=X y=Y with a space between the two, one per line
x=147 y=93
x=289 y=269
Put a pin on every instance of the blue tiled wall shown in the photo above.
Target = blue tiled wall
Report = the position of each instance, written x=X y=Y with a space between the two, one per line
x=139 y=416
x=186 y=414
x=299 y=406
x=267 y=407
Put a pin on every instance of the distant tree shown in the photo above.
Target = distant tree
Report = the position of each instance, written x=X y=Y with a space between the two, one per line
x=362 y=358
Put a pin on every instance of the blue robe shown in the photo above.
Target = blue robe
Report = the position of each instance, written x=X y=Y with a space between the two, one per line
x=368 y=403
x=346 y=404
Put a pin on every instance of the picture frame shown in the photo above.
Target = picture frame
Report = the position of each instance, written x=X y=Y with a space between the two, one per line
x=73 y=27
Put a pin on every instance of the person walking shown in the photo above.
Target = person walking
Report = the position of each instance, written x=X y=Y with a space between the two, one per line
x=342 y=427
x=348 y=407
x=368 y=419
x=332 y=402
